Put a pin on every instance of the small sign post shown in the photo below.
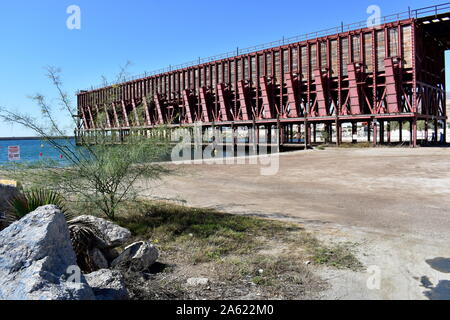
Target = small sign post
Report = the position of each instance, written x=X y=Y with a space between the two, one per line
x=13 y=153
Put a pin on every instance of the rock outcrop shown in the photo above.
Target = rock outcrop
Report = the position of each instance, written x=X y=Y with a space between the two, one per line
x=108 y=285
x=139 y=256
x=37 y=261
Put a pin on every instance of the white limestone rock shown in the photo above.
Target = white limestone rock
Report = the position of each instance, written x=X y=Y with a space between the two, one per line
x=139 y=256
x=37 y=261
x=108 y=285
x=197 y=282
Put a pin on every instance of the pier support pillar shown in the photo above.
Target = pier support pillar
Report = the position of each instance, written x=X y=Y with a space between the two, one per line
x=388 y=132
x=338 y=133
x=235 y=138
x=375 y=132
x=436 y=130
x=445 y=131
x=410 y=133
x=315 y=132
x=307 y=137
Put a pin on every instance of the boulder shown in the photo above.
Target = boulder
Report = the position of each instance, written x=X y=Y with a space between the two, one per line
x=6 y=193
x=110 y=254
x=108 y=285
x=98 y=259
x=37 y=261
x=111 y=234
x=139 y=256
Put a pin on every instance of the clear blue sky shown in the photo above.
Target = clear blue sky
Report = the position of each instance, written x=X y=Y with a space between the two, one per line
x=151 y=34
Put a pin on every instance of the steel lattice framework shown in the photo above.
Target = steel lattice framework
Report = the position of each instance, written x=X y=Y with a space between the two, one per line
x=352 y=74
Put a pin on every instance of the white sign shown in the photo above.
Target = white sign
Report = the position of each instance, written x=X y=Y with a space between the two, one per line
x=13 y=153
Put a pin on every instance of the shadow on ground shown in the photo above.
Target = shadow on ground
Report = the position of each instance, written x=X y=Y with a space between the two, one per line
x=442 y=290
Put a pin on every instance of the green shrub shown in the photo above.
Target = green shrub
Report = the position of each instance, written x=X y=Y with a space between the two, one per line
x=24 y=203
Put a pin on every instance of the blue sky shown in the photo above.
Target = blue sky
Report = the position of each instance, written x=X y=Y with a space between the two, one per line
x=151 y=34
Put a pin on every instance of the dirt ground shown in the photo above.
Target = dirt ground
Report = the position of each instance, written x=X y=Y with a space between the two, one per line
x=393 y=202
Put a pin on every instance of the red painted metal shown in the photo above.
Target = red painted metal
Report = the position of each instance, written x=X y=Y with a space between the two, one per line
x=108 y=119
x=222 y=101
x=267 y=100
x=116 y=116
x=391 y=87
x=292 y=96
x=355 y=98
x=321 y=95
x=148 y=119
x=203 y=101
x=125 y=114
x=187 y=106
x=158 y=104
x=243 y=99
x=136 y=116
x=91 y=118
x=356 y=74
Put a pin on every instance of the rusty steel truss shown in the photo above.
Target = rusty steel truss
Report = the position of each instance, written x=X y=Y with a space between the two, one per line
x=393 y=72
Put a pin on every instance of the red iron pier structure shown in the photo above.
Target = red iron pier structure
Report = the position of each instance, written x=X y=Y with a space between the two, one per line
x=354 y=74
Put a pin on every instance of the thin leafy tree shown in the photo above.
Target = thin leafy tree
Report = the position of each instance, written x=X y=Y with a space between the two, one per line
x=102 y=176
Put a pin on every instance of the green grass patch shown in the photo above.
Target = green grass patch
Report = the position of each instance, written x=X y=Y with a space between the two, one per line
x=339 y=256
x=239 y=252
x=206 y=235
x=281 y=273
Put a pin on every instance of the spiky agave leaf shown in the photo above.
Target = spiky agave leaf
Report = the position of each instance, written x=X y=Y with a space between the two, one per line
x=24 y=203
x=85 y=236
x=41 y=197
x=16 y=206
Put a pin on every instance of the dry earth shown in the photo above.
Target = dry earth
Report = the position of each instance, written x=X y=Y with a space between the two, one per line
x=393 y=202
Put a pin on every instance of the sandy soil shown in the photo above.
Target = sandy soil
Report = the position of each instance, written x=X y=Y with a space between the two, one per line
x=393 y=202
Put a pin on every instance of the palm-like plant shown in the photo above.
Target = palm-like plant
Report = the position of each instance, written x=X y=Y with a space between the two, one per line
x=24 y=203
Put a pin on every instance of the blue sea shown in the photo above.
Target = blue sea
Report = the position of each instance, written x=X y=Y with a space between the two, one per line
x=37 y=150
x=33 y=150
